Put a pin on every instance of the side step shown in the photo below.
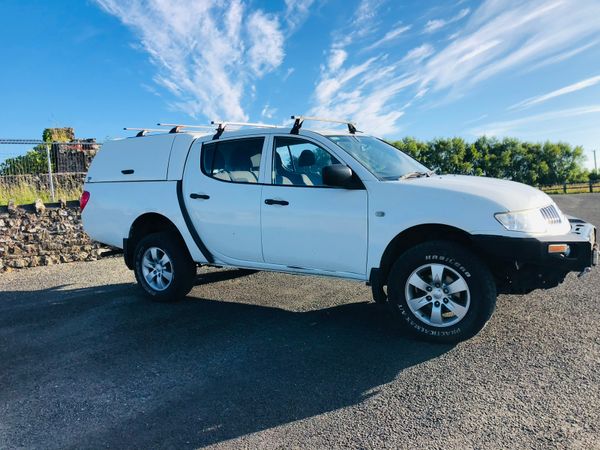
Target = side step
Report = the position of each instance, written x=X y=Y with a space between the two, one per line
x=116 y=251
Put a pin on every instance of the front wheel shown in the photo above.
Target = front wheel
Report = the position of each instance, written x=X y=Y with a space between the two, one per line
x=163 y=268
x=441 y=291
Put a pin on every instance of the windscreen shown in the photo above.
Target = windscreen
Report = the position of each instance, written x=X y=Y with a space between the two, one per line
x=383 y=160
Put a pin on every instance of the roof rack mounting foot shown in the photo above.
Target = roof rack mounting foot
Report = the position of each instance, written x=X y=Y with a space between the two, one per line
x=141 y=132
x=220 y=130
x=298 y=121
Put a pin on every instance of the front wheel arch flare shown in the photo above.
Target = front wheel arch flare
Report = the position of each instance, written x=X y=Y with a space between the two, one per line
x=417 y=235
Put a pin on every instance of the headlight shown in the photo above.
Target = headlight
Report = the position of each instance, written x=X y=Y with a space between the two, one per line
x=530 y=221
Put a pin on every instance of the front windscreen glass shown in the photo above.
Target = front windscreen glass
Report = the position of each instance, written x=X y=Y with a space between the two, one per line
x=383 y=160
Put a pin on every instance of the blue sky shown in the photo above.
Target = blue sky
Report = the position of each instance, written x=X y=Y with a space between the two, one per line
x=529 y=69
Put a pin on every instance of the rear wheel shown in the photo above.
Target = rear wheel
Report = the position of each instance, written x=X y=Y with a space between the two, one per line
x=441 y=291
x=163 y=268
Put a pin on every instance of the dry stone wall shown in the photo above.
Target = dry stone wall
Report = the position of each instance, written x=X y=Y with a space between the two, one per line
x=41 y=235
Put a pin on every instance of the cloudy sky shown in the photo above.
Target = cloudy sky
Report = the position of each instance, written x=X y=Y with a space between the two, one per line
x=528 y=68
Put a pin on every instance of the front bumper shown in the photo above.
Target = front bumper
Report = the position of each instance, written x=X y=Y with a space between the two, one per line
x=526 y=264
x=581 y=240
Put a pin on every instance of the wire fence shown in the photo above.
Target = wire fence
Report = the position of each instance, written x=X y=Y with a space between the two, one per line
x=572 y=188
x=31 y=169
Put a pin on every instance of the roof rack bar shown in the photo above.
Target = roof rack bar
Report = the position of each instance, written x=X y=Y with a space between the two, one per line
x=243 y=124
x=222 y=124
x=143 y=131
x=299 y=120
x=177 y=127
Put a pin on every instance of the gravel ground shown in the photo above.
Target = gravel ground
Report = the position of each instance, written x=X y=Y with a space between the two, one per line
x=263 y=360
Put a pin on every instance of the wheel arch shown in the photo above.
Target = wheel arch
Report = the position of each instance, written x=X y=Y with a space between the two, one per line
x=417 y=235
x=145 y=224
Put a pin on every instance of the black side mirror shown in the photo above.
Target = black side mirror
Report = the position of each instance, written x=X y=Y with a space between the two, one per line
x=339 y=175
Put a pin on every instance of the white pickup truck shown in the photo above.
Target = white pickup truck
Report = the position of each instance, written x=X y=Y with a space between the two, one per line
x=436 y=248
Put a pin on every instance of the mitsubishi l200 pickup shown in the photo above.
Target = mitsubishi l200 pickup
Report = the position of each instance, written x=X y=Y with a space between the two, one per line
x=437 y=249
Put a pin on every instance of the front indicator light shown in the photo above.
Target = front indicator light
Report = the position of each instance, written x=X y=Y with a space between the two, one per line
x=562 y=249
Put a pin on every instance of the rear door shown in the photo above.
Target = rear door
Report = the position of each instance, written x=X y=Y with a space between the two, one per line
x=306 y=224
x=222 y=195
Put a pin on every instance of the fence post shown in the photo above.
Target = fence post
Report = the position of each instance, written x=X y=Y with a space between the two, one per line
x=50 y=172
x=565 y=188
x=591 y=186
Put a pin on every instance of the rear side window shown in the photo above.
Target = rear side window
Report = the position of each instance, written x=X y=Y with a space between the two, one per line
x=237 y=160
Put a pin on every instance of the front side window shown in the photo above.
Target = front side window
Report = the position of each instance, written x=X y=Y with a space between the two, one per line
x=237 y=160
x=298 y=162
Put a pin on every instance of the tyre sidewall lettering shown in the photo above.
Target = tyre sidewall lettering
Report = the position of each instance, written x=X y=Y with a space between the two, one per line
x=451 y=262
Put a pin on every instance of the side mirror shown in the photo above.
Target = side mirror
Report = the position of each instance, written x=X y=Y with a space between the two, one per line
x=339 y=175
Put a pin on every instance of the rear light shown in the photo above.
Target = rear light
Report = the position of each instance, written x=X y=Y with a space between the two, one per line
x=85 y=198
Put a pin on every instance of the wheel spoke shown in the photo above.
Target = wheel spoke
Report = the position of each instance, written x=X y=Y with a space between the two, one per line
x=458 y=310
x=437 y=273
x=458 y=286
x=436 y=315
x=167 y=275
x=165 y=259
x=418 y=303
x=154 y=254
x=147 y=264
x=418 y=282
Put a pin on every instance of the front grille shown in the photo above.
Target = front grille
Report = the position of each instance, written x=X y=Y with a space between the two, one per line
x=551 y=214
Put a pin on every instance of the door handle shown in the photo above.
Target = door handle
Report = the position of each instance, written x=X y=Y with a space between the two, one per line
x=271 y=201
x=199 y=196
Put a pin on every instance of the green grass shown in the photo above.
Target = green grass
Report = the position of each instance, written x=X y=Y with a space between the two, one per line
x=25 y=194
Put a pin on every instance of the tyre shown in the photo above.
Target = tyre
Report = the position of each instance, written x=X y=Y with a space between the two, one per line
x=441 y=292
x=163 y=268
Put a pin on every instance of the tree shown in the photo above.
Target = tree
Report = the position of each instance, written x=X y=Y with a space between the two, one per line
x=32 y=162
x=526 y=162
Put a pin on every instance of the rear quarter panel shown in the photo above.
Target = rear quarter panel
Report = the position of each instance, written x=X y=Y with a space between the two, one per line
x=114 y=206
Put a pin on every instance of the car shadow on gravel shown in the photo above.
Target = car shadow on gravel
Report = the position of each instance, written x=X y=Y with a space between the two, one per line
x=103 y=367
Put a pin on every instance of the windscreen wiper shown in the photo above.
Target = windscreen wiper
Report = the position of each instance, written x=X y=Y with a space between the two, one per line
x=416 y=175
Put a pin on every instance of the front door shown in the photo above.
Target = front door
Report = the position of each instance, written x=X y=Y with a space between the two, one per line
x=306 y=224
x=222 y=196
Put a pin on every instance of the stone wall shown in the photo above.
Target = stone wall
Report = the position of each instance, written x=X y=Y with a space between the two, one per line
x=41 y=235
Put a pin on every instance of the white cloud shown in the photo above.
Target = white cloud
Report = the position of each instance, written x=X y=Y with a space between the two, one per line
x=418 y=54
x=583 y=84
x=389 y=36
x=288 y=73
x=504 y=35
x=508 y=126
x=560 y=57
x=268 y=111
x=296 y=12
x=337 y=58
x=207 y=53
x=266 y=43
x=433 y=25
